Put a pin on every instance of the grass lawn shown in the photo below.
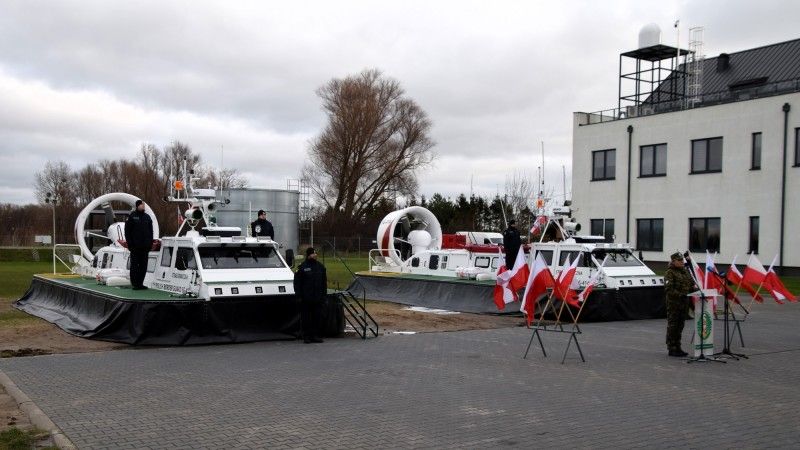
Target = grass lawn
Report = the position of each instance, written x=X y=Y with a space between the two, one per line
x=338 y=275
x=15 y=277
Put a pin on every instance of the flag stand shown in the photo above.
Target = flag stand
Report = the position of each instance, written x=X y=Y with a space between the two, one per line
x=539 y=327
x=726 y=346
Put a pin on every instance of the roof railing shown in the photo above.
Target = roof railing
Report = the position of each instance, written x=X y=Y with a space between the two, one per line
x=706 y=99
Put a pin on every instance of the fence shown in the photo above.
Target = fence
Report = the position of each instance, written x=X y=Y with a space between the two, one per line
x=344 y=246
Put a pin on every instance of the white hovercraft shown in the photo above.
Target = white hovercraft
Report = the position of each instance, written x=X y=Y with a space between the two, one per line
x=410 y=241
x=213 y=263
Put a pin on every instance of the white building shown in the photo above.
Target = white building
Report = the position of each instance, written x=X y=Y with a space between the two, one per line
x=716 y=169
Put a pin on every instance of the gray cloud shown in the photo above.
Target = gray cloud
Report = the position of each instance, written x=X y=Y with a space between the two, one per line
x=86 y=80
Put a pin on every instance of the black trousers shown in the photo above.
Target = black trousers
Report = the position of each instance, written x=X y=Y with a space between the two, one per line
x=138 y=265
x=310 y=311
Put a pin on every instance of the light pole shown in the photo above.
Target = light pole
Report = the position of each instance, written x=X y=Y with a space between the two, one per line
x=53 y=198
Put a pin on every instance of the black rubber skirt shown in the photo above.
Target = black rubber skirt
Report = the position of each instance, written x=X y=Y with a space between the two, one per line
x=92 y=314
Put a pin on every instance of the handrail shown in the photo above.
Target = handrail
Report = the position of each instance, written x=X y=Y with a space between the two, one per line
x=375 y=262
x=56 y=257
x=647 y=108
x=363 y=305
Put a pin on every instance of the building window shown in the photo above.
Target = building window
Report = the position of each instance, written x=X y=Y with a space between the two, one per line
x=653 y=160
x=704 y=234
x=707 y=155
x=604 y=164
x=797 y=146
x=650 y=234
x=603 y=227
x=755 y=154
x=753 y=235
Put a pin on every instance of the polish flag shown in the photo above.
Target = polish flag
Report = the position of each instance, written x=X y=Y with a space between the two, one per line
x=697 y=271
x=754 y=273
x=503 y=294
x=510 y=281
x=775 y=286
x=565 y=278
x=539 y=280
x=712 y=279
x=538 y=224
x=735 y=277
x=590 y=286
x=520 y=272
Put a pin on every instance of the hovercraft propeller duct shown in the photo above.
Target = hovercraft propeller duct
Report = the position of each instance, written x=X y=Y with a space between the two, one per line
x=406 y=232
x=113 y=230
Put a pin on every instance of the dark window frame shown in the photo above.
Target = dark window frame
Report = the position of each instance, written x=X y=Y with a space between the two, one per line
x=705 y=246
x=753 y=248
x=605 y=176
x=651 y=247
x=797 y=147
x=608 y=232
x=708 y=153
x=654 y=148
x=753 y=165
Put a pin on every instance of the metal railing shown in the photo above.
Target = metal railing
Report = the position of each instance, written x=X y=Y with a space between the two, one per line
x=707 y=99
x=355 y=311
x=376 y=258
x=70 y=265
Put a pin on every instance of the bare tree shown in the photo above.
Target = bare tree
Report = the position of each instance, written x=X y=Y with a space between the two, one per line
x=220 y=179
x=520 y=190
x=172 y=161
x=376 y=138
x=56 y=179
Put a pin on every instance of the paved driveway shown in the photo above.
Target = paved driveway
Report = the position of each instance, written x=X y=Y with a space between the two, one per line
x=464 y=389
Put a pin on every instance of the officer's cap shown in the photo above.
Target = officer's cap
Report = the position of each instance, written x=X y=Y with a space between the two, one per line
x=676 y=256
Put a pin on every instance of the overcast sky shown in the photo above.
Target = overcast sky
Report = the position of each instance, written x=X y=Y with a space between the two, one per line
x=81 y=81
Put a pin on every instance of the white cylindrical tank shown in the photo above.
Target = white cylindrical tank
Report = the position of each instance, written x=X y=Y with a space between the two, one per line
x=649 y=35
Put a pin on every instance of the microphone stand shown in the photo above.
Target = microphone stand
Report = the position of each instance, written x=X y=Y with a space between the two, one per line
x=726 y=346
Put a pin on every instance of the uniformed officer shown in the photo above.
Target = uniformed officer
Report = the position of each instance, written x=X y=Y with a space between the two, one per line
x=311 y=287
x=677 y=285
x=262 y=226
x=511 y=243
x=139 y=238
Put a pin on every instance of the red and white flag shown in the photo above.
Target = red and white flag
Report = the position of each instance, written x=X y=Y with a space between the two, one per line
x=735 y=277
x=590 y=286
x=563 y=290
x=697 y=273
x=775 y=286
x=510 y=281
x=712 y=279
x=754 y=273
x=538 y=224
x=539 y=280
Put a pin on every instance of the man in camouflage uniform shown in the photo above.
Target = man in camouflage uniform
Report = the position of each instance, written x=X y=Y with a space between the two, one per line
x=677 y=285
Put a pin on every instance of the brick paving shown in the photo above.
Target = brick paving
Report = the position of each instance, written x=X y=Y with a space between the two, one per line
x=466 y=389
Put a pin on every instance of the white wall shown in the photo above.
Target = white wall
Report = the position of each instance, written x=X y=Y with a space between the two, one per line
x=734 y=195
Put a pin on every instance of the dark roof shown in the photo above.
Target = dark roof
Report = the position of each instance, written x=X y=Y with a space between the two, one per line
x=747 y=69
x=776 y=62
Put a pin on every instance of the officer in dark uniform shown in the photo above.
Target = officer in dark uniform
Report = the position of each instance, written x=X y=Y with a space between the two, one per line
x=677 y=285
x=311 y=287
x=262 y=226
x=139 y=238
x=511 y=243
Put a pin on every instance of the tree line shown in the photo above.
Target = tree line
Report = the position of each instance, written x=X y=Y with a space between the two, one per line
x=149 y=175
